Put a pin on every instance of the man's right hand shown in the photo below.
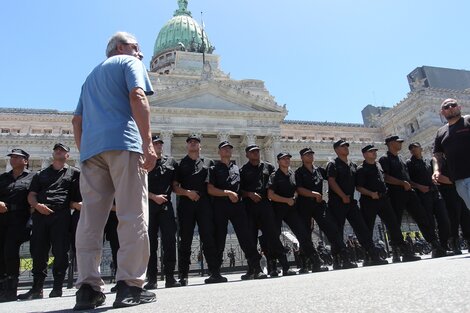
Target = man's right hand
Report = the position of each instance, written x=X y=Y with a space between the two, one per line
x=150 y=157
x=346 y=199
x=290 y=201
x=159 y=199
x=375 y=195
x=254 y=197
x=3 y=207
x=193 y=195
x=43 y=209
x=406 y=185
x=436 y=177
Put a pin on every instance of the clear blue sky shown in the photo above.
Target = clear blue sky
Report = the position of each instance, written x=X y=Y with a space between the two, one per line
x=325 y=59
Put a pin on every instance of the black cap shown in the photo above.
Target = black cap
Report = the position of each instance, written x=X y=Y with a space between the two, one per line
x=19 y=152
x=283 y=154
x=193 y=136
x=225 y=143
x=62 y=146
x=414 y=145
x=252 y=148
x=305 y=151
x=157 y=139
x=340 y=143
x=393 y=138
x=369 y=148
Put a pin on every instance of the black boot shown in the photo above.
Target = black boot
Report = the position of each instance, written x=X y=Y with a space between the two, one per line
x=285 y=267
x=272 y=265
x=437 y=250
x=317 y=263
x=183 y=277
x=336 y=262
x=170 y=281
x=455 y=246
x=345 y=260
x=407 y=255
x=373 y=258
x=150 y=285
x=56 y=291
x=35 y=292
x=10 y=288
x=249 y=274
x=215 y=278
x=396 y=254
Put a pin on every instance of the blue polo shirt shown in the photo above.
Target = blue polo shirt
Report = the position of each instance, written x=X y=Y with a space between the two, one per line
x=107 y=122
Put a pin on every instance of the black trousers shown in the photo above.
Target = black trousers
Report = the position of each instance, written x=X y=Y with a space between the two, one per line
x=309 y=209
x=435 y=208
x=12 y=234
x=111 y=235
x=382 y=207
x=189 y=212
x=408 y=200
x=459 y=215
x=162 y=218
x=50 y=231
x=224 y=211
x=342 y=212
x=261 y=217
x=290 y=216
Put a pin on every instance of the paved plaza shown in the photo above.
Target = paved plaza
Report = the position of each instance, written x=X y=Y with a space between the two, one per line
x=430 y=285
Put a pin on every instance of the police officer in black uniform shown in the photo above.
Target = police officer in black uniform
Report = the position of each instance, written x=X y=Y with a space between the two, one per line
x=310 y=204
x=161 y=217
x=253 y=184
x=14 y=216
x=459 y=214
x=281 y=191
x=420 y=170
x=224 y=186
x=375 y=201
x=403 y=196
x=341 y=175
x=194 y=206
x=49 y=195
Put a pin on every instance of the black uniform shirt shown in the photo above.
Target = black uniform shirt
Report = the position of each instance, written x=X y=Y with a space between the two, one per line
x=160 y=179
x=310 y=180
x=54 y=187
x=14 y=192
x=193 y=174
x=255 y=178
x=225 y=177
x=344 y=175
x=371 y=177
x=394 y=166
x=283 y=185
x=454 y=142
x=420 y=171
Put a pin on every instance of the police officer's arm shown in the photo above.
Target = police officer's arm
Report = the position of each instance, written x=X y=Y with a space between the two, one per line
x=191 y=194
x=277 y=198
x=255 y=197
x=33 y=202
x=360 y=182
x=385 y=163
x=331 y=174
x=216 y=192
x=413 y=173
x=159 y=199
x=304 y=192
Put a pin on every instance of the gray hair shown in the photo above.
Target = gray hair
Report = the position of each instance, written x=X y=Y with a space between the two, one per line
x=118 y=38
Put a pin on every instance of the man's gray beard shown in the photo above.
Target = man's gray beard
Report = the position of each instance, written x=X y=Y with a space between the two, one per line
x=456 y=114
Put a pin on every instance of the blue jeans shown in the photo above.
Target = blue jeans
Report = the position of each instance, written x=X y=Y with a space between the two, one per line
x=463 y=189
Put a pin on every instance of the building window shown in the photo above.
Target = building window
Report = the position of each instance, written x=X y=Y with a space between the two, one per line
x=47 y=131
x=15 y=131
x=5 y=130
x=66 y=131
x=36 y=131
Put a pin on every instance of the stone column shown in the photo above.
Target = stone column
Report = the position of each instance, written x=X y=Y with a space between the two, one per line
x=277 y=145
x=166 y=136
x=269 y=154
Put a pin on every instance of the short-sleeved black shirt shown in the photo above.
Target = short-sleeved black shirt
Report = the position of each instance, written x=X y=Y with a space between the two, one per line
x=420 y=171
x=193 y=174
x=394 y=166
x=454 y=142
x=310 y=180
x=160 y=179
x=344 y=175
x=283 y=185
x=54 y=188
x=14 y=192
x=370 y=176
x=255 y=178
x=225 y=177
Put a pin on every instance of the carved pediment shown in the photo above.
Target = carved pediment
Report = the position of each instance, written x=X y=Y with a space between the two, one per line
x=204 y=101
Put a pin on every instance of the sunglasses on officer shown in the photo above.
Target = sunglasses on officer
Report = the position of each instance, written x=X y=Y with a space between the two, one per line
x=449 y=105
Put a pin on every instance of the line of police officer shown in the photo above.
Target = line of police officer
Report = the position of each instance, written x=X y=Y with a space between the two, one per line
x=254 y=198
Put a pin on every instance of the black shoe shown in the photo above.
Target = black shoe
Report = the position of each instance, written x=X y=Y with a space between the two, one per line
x=215 y=279
x=127 y=296
x=55 y=293
x=288 y=272
x=150 y=285
x=32 y=294
x=273 y=273
x=183 y=281
x=438 y=252
x=303 y=270
x=258 y=274
x=88 y=299
x=248 y=275
x=410 y=258
x=113 y=289
x=318 y=268
x=170 y=282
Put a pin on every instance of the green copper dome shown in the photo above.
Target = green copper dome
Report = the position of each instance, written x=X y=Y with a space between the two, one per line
x=182 y=32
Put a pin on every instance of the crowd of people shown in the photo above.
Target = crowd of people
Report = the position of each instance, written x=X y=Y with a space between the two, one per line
x=125 y=184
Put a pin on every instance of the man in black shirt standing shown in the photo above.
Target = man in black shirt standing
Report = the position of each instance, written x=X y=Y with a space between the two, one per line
x=310 y=204
x=254 y=177
x=341 y=175
x=161 y=217
x=281 y=191
x=224 y=186
x=49 y=195
x=375 y=201
x=403 y=196
x=420 y=170
x=453 y=141
x=14 y=215
x=194 y=206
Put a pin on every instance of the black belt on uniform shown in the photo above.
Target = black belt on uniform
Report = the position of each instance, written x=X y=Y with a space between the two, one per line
x=16 y=207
